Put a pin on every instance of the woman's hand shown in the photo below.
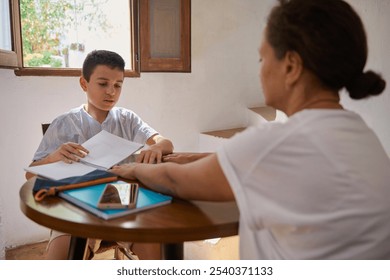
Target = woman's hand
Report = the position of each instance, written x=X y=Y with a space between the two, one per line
x=125 y=170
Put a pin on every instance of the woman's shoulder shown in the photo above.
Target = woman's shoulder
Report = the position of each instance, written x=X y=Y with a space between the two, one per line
x=324 y=113
x=327 y=117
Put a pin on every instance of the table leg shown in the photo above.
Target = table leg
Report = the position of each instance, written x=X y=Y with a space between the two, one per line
x=77 y=248
x=172 y=251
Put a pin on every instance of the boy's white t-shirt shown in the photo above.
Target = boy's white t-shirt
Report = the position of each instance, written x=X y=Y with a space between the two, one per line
x=314 y=187
x=78 y=126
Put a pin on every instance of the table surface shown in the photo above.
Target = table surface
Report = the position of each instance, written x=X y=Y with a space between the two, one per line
x=178 y=221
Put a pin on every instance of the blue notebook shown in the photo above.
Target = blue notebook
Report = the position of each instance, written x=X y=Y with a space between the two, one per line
x=87 y=199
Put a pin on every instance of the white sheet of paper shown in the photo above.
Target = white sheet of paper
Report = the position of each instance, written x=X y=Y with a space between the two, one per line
x=60 y=170
x=105 y=150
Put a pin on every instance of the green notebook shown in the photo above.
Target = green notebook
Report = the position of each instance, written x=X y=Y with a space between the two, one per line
x=87 y=198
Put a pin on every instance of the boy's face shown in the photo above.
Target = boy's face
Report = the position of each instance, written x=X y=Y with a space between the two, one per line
x=103 y=89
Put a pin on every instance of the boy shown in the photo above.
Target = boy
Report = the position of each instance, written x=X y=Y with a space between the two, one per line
x=102 y=79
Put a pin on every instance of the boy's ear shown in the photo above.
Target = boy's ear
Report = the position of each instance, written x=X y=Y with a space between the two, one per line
x=83 y=83
x=294 y=67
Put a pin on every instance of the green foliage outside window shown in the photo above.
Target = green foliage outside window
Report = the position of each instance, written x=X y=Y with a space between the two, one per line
x=38 y=60
x=46 y=23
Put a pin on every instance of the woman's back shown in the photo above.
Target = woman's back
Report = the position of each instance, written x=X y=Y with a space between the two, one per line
x=316 y=187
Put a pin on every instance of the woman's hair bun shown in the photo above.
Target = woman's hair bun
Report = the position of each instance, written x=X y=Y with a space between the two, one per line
x=365 y=85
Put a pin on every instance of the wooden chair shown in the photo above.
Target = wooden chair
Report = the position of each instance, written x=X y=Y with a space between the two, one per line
x=45 y=126
x=120 y=252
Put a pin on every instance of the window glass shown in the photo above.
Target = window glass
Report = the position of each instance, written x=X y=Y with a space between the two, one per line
x=60 y=33
x=165 y=28
x=5 y=34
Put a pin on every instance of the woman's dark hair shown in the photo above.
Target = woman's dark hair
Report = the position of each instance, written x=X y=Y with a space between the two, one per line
x=331 y=40
x=101 y=57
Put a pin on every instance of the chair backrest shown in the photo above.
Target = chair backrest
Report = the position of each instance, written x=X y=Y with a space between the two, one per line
x=45 y=126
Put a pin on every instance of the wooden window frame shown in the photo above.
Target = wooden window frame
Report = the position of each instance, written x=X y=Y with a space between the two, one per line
x=150 y=64
x=14 y=59
x=142 y=60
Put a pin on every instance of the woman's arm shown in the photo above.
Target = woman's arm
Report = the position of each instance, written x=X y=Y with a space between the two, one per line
x=184 y=157
x=200 y=180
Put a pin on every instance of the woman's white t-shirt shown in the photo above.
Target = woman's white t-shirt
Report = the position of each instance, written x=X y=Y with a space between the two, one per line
x=314 y=187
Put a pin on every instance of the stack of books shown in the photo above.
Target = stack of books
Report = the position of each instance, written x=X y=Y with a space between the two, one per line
x=105 y=151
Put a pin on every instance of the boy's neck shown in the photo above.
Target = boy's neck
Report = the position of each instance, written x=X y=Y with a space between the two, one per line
x=98 y=115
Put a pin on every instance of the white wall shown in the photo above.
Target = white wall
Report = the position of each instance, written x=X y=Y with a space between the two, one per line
x=376 y=110
x=225 y=38
x=223 y=82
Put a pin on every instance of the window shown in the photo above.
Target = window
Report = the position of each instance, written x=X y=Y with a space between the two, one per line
x=165 y=35
x=9 y=50
x=53 y=37
x=5 y=36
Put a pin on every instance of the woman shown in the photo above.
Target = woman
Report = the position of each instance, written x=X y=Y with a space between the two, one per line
x=316 y=186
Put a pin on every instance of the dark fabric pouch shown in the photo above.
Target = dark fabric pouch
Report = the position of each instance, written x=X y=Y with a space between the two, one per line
x=41 y=183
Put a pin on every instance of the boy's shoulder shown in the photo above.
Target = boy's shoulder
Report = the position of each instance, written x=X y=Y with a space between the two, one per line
x=121 y=111
x=76 y=110
x=69 y=114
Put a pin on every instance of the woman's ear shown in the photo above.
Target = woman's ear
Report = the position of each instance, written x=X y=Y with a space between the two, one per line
x=83 y=83
x=293 y=67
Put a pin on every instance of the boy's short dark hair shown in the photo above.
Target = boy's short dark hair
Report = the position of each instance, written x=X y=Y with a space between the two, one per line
x=101 y=57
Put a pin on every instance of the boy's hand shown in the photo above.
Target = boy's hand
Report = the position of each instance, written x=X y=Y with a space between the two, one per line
x=152 y=155
x=68 y=152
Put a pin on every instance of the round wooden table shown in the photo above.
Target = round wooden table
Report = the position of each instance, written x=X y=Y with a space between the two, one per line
x=170 y=225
